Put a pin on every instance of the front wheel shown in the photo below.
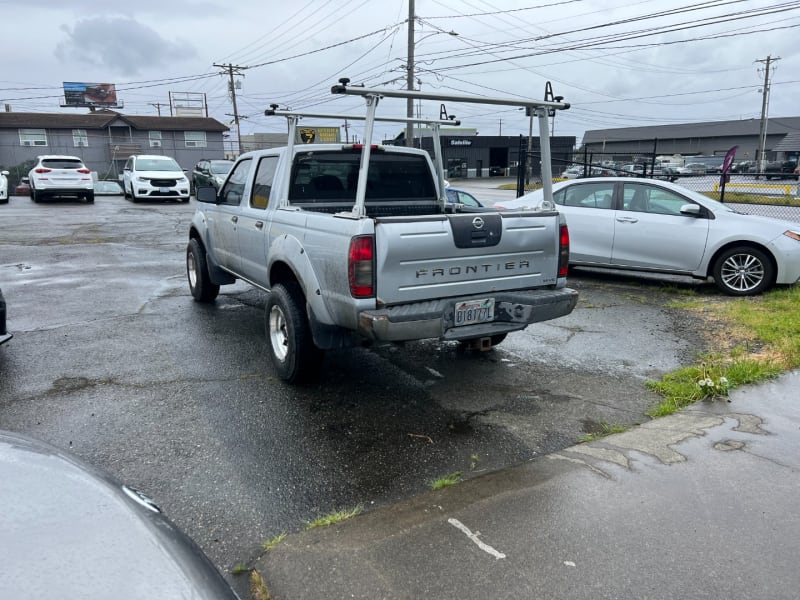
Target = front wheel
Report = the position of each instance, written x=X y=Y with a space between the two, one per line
x=291 y=347
x=743 y=271
x=203 y=290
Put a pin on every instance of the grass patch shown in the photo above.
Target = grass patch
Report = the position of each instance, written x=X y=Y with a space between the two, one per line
x=447 y=480
x=258 y=589
x=239 y=569
x=604 y=430
x=333 y=518
x=270 y=544
x=758 y=338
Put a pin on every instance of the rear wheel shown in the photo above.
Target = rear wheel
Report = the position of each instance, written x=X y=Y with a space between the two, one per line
x=203 y=290
x=291 y=347
x=743 y=271
x=89 y=196
x=36 y=195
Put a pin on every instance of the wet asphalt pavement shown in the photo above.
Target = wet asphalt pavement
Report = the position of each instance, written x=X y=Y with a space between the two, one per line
x=113 y=360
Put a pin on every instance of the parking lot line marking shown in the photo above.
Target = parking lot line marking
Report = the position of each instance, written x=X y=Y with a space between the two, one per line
x=474 y=537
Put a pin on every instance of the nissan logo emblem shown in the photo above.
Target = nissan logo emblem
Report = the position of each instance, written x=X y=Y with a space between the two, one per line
x=477 y=223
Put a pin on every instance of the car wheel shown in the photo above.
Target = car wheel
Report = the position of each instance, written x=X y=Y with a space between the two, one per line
x=291 y=347
x=133 y=195
x=36 y=196
x=743 y=271
x=89 y=197
x=203 y=290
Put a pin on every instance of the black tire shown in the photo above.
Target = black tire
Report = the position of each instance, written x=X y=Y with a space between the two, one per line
x=36 y=196
x=200 y=285
x=133 y=195
x=291 y=347
x=89 y=197
x=744 y=271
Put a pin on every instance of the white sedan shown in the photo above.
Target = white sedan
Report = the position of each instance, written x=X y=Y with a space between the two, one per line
x=657 y=226
x=3 y=187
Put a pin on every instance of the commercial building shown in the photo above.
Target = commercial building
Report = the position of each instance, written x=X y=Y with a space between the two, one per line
x=691 y=139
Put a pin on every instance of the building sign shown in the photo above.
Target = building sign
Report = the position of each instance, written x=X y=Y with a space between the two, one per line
x=318 y=135
x=461 y=142
x=80 y=94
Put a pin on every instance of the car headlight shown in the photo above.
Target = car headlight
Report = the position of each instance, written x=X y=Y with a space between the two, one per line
x=219 y=180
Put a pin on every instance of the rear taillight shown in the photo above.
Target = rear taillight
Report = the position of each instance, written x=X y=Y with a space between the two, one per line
x=563 y=251
x=42 y=170
x=84 y=170
x=361 y=266
x=360 y=147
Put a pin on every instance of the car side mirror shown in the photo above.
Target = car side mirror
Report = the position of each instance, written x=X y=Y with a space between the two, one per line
x=206 y=193
x=692 y=210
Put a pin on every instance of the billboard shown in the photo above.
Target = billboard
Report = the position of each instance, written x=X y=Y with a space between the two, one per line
x=318 y=135
x=90 y=94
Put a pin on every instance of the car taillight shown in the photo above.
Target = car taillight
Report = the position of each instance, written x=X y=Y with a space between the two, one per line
x=84 y=170
x=563 y=251
x=360 y=147
x=361 y=266
x=42 y=170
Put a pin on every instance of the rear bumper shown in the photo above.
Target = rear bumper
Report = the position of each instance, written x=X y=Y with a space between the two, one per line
x=434 y=319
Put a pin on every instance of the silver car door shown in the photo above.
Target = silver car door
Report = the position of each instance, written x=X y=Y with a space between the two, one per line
x=223 y=218
x=588 y=208
x=651 y=232
x=253 y=227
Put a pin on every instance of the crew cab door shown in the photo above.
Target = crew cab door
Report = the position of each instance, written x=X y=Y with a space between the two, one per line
x=253 y=226
x=223 y=218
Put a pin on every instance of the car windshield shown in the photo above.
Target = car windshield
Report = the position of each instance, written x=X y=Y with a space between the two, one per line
x=221 y=167
x=157 y=164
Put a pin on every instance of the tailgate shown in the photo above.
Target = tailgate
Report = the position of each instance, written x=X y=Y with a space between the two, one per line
x=464 y=254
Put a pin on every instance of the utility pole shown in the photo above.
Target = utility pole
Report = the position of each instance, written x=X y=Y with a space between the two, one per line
x=762 y=135
x=232 y=69
x=529 y=152
x=346 y=128
x=158 y=106
x=410 y=75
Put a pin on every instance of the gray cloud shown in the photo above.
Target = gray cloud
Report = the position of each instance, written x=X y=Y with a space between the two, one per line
x=122 y=45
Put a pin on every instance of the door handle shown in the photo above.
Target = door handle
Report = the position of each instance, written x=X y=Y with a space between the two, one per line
x=627 y=220
x=235 y=219
x=259 y=224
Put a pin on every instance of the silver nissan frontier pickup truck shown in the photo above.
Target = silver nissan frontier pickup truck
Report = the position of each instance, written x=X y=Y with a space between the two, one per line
x=357 y=244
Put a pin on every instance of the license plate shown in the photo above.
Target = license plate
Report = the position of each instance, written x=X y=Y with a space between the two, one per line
x=164 y=190
x=474 y=311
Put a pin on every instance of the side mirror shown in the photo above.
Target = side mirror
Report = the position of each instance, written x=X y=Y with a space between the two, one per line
x=206 y=193
x=692 y=210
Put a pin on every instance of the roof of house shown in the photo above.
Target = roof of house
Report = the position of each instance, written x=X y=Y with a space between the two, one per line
x=790 y=143
x=708 y=129
x=102 y=119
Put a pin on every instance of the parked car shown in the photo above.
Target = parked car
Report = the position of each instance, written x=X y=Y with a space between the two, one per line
x=458 y=196
x=154 y=177
x=661 y=227
x=497 y=171
x=780 y=169
x=88 y=535
x=744 y=166
x=692 y=169
x=211 y=172
x=60 y=176
x=3 y=187
x=4 y=335
x=105 y=187
x=23 y=187
x=572 y=172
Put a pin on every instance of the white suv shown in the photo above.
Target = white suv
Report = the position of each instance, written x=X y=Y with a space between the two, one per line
x=154 y=177
x=57 y=175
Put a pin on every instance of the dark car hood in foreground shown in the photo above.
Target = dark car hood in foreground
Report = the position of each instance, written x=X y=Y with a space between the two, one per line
x=69 y=530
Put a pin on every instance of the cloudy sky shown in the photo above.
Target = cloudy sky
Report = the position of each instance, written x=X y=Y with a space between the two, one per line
x=618 y=62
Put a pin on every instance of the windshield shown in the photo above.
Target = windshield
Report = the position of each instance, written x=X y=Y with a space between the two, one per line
x=221 y=167
x=157 y=164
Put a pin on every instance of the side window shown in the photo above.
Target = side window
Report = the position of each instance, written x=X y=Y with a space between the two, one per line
x=589 y=195
x=652 y=199
x=262 y=186
x=234 y=187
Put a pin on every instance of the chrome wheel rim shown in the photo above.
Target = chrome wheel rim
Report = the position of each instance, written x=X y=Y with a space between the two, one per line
x=742 y=272
x=191 y=270
x=278 y=334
